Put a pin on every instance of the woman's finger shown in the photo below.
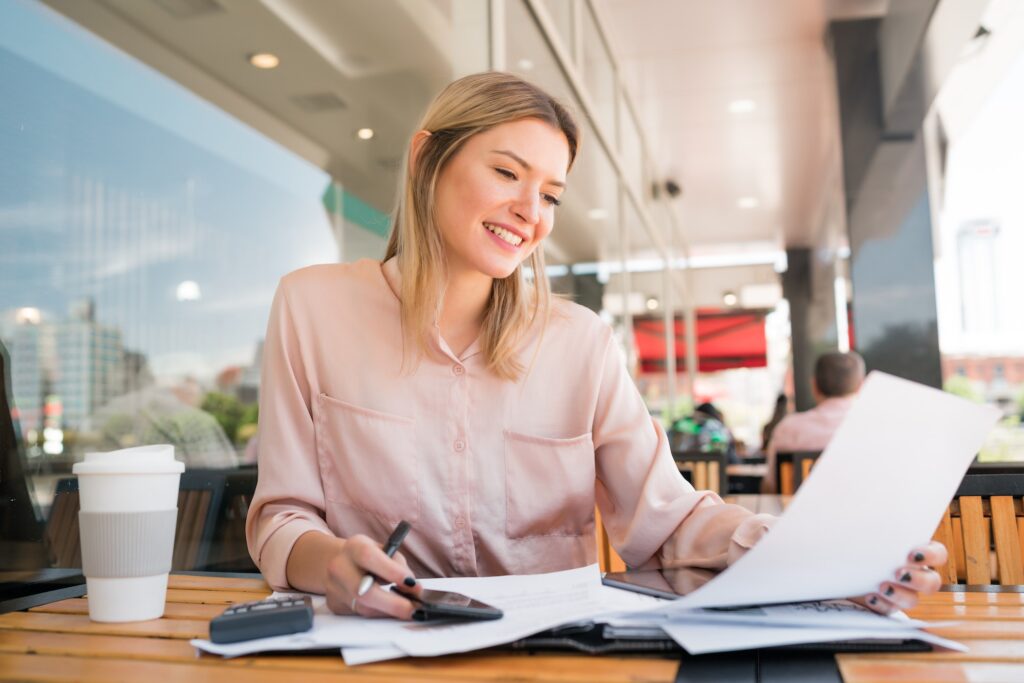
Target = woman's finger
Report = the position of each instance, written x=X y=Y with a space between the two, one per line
x=369 y=557
x=875 y=602
x=933 y=554
x=918 y=578
x=899 y=596
x=341 y=585
x=386 y=603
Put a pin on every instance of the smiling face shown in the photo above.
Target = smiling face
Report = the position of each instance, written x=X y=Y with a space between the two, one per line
x=495 y=198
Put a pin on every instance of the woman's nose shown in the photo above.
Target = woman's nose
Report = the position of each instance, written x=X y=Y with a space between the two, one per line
x=527 y=207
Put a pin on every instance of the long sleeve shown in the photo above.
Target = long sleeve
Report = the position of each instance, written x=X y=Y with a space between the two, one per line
x=289 y=497
x=652 y=515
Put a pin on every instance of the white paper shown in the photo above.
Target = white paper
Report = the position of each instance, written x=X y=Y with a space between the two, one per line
x=702 y=638
x=354 y=656
x=531 y=603
x=877 y=491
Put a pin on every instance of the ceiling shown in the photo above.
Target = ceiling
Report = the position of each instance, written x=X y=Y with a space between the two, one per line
x=346 y=65
x=768 y=173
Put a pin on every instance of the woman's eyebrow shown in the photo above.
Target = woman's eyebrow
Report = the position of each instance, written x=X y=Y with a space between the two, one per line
x=522 y=162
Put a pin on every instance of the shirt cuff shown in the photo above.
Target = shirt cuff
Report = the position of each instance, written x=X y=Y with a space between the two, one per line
x=273 y=560
x=750 y=531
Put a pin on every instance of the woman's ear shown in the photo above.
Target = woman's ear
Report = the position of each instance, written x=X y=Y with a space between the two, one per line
x=416 y=145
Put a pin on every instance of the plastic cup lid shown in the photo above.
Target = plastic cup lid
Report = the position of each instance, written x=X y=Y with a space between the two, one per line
x=157 y=459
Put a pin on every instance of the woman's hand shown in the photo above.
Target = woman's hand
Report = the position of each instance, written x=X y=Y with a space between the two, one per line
x=358 y=556
x=910 y=581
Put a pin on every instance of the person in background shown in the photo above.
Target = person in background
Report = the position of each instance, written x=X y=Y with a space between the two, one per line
x=781 y=410
x=706 y=431
x=837 y=379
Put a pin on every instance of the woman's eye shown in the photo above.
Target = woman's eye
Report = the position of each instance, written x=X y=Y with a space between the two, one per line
x=507 y=173
x=552 y=200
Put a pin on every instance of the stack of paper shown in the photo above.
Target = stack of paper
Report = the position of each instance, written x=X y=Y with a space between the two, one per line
x=877 y=491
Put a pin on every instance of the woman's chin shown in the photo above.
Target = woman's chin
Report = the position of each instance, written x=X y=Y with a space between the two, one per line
x=499 y=271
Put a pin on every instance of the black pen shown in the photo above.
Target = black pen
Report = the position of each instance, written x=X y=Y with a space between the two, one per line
x=395 y=540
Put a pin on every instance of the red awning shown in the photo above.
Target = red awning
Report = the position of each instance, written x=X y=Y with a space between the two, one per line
x=725 y=339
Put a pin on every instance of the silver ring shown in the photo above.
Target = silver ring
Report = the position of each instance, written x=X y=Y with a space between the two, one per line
x=353 y=604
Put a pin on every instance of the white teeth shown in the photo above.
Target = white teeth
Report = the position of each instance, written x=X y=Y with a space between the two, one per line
x=511 y=238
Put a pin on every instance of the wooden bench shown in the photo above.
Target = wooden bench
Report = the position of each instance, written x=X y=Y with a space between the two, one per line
x=791 y=468
x=983 y=529
x=705 y=470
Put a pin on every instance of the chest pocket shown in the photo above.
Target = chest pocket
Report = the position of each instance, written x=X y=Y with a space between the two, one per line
x=549 y=486
x=367 y=459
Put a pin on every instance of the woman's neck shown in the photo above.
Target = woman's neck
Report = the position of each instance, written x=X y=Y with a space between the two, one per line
x=465 y=302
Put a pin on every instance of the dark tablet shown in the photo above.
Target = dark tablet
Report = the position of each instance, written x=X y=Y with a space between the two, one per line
x=661 y=583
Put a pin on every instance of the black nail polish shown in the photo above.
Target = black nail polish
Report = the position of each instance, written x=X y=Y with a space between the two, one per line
x=905 y=578
x=918 y=557
x=872 y=600
x=409 y=581
x=889 y=591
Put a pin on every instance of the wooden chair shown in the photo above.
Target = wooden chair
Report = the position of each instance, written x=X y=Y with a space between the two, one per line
x=983 y=529
x=792 y=468
x=607 y=558
x=705 y=470
x=229 y=552
x=199 y=502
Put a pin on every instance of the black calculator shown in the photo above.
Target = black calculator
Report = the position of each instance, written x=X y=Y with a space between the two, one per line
x=262 y=619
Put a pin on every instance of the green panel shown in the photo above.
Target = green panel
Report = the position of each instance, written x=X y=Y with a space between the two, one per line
x=354 y=210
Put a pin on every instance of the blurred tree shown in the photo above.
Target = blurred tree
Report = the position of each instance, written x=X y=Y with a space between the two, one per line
x=958 y=385
x=226 y=409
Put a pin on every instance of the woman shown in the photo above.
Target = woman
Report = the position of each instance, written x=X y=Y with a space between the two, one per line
x=442 y=388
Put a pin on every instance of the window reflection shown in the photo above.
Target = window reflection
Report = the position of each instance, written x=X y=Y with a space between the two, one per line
x=981 y=238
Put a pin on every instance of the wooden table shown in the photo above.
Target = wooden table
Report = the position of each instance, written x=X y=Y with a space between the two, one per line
x=744 y=470
x=771 y=503
x=58 y=642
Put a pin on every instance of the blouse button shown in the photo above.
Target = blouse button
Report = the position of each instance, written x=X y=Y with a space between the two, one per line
x=459 y=445
x=458 y=370
x=459 y=522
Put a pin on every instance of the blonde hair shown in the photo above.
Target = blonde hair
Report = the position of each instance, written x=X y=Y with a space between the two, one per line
x=466 y=107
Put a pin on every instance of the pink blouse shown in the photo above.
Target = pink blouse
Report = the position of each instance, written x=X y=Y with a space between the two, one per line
x=496 y=477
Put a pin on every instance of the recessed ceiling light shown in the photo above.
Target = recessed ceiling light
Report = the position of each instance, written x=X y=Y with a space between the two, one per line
x=730 y=299
x=525 y=64
x=742 y=106
x=597 y=214
x=188 y=290
x=364 y=133
x=264 y=60
x=748 y=203
x=652 y=303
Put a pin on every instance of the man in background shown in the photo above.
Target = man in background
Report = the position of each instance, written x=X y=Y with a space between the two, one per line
x=837 y=379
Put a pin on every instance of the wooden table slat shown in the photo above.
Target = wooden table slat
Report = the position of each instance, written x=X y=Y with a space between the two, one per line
x=217 y=583
x=553 y=667
x=862 y=669
x=80 y=623
x=172 y=610
x=212 y=597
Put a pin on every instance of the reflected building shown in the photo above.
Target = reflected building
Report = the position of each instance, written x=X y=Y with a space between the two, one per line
x=78 y=364
x=977 y=243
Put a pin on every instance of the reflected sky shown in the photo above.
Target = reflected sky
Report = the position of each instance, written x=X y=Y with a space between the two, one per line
x=983 y=185
x=117 y=185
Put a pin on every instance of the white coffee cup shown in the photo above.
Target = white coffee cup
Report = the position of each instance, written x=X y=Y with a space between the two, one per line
x=129 y=501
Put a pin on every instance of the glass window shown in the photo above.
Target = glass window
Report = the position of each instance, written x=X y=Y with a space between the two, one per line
x=631 y=149
x=980 y=240
x=598 y=74
x=561 y=13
